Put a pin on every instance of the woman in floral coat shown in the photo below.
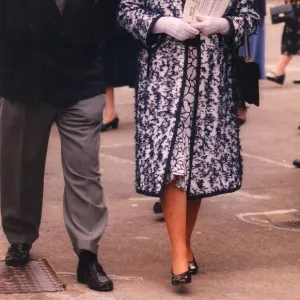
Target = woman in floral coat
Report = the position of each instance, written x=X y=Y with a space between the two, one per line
x=187 y=141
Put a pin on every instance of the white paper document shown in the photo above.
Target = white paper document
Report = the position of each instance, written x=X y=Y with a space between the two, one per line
x=213 y=8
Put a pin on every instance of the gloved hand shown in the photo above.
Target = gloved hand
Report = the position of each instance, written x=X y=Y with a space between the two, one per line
x=212 y=25
x=176 y=28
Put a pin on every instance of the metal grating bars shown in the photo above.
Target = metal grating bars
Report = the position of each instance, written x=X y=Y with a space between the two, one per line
x=288 y=224
x=36 y=277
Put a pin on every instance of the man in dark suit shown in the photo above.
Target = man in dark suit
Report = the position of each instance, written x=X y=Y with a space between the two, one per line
x=51 y=70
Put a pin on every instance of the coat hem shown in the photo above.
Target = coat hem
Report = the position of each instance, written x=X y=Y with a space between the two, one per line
x=192 y=197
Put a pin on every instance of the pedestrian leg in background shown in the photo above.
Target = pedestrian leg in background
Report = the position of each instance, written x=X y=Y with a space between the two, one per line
x=278 y=74
x=157 y=207
x=24 y=138
x=85 y=211
x=296 y=162
x=110 y=117
x=290 y=46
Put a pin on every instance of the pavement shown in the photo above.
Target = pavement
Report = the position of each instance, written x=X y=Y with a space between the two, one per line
x=240 y=259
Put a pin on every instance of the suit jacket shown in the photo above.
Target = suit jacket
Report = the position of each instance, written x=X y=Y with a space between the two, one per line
x=51 y=57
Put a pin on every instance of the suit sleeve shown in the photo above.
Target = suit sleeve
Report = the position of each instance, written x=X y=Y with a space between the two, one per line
x=244 y=18
x=1 y=40
x=138 y=20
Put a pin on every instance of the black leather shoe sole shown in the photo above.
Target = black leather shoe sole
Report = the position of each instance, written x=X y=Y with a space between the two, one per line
x=16 y=263
x=107 y=287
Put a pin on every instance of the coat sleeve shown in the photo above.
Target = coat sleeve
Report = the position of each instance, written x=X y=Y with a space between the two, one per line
x=138 y=20
x=244 y=17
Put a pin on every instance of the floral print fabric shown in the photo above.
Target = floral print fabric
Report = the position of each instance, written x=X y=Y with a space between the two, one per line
x=180 y=161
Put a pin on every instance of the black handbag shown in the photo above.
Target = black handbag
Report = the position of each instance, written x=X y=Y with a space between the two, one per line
x=246 y=78
x=283 y=14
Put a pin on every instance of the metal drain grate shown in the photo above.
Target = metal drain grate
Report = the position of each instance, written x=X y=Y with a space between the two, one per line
x=36 y=277
x=279 y=219
x=289 y=224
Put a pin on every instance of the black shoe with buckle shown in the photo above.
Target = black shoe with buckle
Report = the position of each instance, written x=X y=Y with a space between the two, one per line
x=193 y=267
x=181 y=279
x=17 y=255
x=92 y=274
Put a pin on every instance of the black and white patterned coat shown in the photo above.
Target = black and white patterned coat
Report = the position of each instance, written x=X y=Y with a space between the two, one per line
x=215 y=160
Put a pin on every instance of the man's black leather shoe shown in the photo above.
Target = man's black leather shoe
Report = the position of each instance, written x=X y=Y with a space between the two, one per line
x=17 y=255
x=92 y=274
x=296 y=163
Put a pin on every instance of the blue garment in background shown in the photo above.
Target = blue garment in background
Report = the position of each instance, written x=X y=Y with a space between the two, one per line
x=257 y=47
x=60 y=5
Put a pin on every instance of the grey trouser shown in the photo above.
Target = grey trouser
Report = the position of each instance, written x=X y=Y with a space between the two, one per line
x=24 y=135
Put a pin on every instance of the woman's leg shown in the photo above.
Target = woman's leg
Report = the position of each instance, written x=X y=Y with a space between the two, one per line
x=241 y=111
x=242 y=115
x=175 y=211
x=282 y=64
x=110 y=109
x=193 y=207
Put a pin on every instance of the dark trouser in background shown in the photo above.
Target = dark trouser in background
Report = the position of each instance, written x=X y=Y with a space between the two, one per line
x=24 y=135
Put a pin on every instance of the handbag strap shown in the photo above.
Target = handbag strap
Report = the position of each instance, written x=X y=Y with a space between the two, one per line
x=247 y=46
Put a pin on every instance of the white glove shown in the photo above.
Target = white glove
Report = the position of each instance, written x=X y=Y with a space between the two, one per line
x=212 y=25
x=176 y=28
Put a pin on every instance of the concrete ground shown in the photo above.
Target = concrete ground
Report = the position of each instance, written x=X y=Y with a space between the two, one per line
x=239 y=260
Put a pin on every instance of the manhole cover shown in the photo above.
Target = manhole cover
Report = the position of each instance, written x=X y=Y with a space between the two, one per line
x=282 y=219
x=35 y=277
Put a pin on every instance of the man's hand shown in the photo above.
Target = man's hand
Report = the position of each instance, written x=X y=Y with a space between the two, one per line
x=176 y=28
